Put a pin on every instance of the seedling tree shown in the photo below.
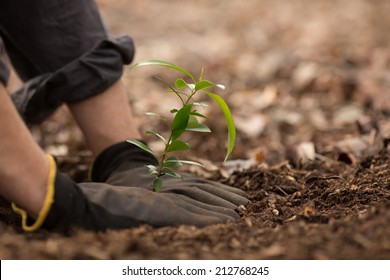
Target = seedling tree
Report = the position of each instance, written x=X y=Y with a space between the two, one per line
x=183 y=119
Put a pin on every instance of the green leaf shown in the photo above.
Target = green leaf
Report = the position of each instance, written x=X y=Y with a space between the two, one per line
x=172 y=158
x=163 y=64
x=191 y=163
x=141 y=145
x=180 y=84
x=177 y=145
x=197 y=114
x=201 y=74
x=206 y=84
x=192 y=120
x=203 y=84
x=177 y=133
x=152 y=169
x=152 y=114
x=173 y=174
x=220 y=86
x=178 y=162
x=157 y=184
x=191 y=86
x=156 y=115
x=200 y=127
x=157 y=135
x=180 y=121
x=194 y=125
x=229 y=120
x=204 y=105
x=172 y=162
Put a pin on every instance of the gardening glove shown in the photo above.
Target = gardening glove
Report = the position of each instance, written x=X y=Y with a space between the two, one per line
x=123 y=164
x=99 y=206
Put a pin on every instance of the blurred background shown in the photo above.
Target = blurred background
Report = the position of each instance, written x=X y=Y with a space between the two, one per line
x=304 y=71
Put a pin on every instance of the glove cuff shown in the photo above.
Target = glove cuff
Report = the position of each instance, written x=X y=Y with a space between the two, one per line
x=64 y=206
x=47 y=204
x=118 y=157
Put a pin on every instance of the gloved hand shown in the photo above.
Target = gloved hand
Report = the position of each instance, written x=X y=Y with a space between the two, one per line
x=99 y=206
x=123 y=164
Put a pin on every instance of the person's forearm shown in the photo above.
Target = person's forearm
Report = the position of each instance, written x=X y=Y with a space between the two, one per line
x=24 y=167
x=106 y=119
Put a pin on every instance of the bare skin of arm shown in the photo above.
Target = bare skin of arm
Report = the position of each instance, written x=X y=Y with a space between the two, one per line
x=24 y=166
x=105 y=119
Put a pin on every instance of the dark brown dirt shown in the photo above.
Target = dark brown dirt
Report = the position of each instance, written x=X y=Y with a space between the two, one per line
x=309 y=86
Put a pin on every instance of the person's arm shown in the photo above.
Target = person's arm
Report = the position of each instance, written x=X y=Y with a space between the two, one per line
x=24 y=167
x=106 y=119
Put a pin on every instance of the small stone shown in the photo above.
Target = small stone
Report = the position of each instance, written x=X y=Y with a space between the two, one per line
x=241 y=209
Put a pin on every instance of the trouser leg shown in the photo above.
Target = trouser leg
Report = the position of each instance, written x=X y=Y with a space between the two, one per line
x=63 y=52
x=4 y=70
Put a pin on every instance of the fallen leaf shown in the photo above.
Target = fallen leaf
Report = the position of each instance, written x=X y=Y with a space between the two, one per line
x=252 y=126
x=306 y=152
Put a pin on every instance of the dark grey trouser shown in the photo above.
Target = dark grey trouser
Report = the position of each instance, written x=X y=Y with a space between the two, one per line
x=4 y=71
x=61 y=50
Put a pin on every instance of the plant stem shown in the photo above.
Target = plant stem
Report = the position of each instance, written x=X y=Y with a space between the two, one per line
x=190 y=97
x=163 y=156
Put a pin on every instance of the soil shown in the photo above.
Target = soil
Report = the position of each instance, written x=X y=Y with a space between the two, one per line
x=308 y=83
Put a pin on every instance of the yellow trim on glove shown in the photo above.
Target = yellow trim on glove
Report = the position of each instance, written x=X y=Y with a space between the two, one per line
x=49 y=199
x=90 y=169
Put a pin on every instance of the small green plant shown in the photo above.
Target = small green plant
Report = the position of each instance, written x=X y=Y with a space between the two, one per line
x=184 y=119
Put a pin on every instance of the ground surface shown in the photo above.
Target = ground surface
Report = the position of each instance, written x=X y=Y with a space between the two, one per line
x=309 y=86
